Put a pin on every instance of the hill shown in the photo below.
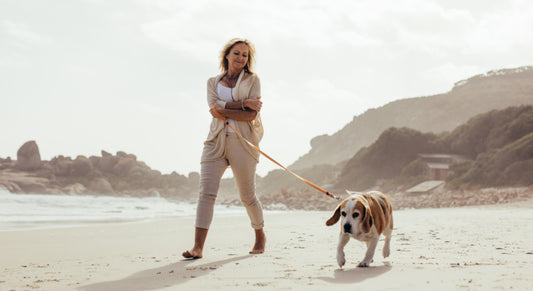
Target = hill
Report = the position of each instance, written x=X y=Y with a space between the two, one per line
x=498 y=145
x=443 y=112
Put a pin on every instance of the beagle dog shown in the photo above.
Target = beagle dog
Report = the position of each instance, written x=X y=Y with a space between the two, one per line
x=364 y=217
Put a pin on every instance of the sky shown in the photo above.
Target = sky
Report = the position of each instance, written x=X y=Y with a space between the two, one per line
x=81 y=76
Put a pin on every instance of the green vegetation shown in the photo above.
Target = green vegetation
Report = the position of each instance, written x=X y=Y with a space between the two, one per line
x=385 y=159
x=509 y=165
x=491 y=130
x=499 y=145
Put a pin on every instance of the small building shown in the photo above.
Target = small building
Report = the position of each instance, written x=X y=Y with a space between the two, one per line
x=426 y=187
x=437 y=166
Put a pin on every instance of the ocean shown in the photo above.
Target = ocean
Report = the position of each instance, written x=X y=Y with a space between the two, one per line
x=37 y=211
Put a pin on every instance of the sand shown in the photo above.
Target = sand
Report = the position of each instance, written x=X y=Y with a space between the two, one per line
x=473 y=248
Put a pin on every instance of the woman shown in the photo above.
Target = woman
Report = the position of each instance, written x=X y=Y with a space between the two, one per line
x=235 y=94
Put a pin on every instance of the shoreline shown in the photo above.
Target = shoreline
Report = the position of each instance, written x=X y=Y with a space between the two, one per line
x=522 y=196
x=479 y=248
x=44 y=211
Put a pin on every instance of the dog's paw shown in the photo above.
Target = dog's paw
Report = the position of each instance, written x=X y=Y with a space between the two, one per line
x=386 y=251
x=341 y=260
x=363 y=264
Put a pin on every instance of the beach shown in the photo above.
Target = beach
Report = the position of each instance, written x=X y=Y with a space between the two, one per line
x=465 y=248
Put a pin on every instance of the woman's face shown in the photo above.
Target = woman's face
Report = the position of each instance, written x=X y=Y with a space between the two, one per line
x=237 y=57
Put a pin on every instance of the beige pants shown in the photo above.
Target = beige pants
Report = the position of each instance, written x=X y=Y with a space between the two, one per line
x=243 y=167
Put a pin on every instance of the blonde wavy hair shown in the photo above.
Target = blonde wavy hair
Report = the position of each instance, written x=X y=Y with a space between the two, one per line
x=227 y=48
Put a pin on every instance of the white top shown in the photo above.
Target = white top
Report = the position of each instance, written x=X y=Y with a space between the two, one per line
x=226 y=94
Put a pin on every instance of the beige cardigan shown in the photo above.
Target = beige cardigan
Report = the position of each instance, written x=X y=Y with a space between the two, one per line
x=247 y=86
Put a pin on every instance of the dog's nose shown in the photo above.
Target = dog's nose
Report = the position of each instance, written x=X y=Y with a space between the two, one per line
x=348 y=228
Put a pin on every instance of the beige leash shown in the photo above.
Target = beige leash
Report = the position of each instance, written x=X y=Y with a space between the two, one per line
x=275 y=162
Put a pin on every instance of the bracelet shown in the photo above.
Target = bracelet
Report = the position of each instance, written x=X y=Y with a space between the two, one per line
x=242 y=104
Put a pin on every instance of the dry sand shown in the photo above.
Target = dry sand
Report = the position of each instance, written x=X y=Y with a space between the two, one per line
x=474 y=248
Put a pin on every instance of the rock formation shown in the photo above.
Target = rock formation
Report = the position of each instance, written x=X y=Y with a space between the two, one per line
x=120 y=174
x=28 y=156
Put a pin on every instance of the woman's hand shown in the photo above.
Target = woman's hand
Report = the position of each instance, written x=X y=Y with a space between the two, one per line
x=236 y=114
x=213 y=113
x=253 y=103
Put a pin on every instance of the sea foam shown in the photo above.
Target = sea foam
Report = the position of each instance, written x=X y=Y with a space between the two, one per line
x=31 y=211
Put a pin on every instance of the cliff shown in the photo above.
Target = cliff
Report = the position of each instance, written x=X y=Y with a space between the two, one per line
x=443 y=112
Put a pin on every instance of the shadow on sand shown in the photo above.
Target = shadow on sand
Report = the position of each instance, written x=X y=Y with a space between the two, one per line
x=355 y=275
x=166 y=276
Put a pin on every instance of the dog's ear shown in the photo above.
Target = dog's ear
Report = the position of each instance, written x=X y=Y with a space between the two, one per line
x=336 y=215
x=366 y=218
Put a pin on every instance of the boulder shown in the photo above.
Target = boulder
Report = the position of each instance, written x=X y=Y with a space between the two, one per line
x=76 y=188
x=139 y=172
x=96 y=174
x=159 y=182
x=124 y=155
x=34 y=187
x=101 y=186
x=143 y=164
x=154 y=174
x=81 y=166
x=153 y=193
x=107 y=162
x=123 y=166
x=47 y=171
x=10 y=186
x=28 y=156
x=62 y=166
x=122 y=186
x=176 y=180
x=95 y=160
x=7 y=163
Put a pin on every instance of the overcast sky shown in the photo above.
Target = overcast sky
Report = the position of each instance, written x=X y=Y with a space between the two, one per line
x=82 y=76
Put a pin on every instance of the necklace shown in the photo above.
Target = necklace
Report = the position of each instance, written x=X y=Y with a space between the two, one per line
x=232 y=81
